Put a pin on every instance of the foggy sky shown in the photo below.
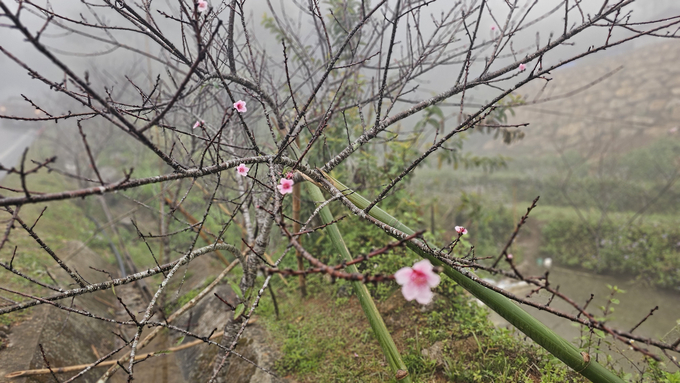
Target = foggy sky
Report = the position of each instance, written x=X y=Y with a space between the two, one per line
x=111 y=66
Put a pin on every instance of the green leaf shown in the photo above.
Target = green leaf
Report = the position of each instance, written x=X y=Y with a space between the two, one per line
x=236 y=289
x=181 y=339
x=437 y=110
x=239 y=310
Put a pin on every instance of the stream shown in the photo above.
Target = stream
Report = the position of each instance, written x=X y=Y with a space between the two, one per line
x=637 y=301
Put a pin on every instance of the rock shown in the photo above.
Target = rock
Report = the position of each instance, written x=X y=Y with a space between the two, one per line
x=67 y=338
x=624 y=91
x=435 y=352
x=254 y=347
x=196 y=362
x=72 y=339
x=617 y=103
x=657 y=105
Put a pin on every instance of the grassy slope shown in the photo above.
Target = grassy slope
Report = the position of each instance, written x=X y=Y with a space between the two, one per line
x=60 y=223
x=325 y=338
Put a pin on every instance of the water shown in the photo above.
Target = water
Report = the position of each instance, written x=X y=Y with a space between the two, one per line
x=635 y=304
x=14 y=138
x=637 y=301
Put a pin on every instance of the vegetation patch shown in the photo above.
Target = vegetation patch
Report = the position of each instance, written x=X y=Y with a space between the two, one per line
x=649 y=250
x=326 y=338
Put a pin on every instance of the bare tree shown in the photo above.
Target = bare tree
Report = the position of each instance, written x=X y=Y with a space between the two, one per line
x=216 y=94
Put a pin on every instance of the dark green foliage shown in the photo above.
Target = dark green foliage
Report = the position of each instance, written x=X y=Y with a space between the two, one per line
x=648 y=251
x=489 y=224
x=643 y=179
x=657 y=374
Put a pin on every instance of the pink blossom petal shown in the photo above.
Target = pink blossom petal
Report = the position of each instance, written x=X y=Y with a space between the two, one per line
x=417 y=281
x=240 y=106
x=421 y=294
x=286 y=183
x=403 y=275
x=433 y=280
x=425 y=267
x=410 y=291
x=285 y=186
x=522 y=67
x=242 y=170
x=425 y=296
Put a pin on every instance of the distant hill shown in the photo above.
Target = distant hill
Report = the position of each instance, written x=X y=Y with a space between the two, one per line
x=637 y=104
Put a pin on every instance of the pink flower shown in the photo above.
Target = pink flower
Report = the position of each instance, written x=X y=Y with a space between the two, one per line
x=242 y=170
x=286 y=186
x=460 y=230
x=289 y=175
x=198 y=124
x=417 y=281
x=202 y=5
x=493 y=28
x=522 y=67
x=240 y=106
x=509 y=256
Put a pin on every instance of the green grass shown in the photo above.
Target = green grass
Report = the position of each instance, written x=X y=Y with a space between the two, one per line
x=66 y=221
x=60 y=223
x=326 y=338
x=549 y=213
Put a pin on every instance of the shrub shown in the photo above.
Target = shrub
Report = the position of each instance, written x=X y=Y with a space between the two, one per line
x=649 y=251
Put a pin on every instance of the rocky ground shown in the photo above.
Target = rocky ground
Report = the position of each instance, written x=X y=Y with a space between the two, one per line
x=70 y=339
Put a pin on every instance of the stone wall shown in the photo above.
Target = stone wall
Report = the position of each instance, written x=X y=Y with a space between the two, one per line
x=67 y=338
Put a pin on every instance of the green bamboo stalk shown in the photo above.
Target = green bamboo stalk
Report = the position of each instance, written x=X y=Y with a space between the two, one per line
x=375 y=320
x=530 y=326
x=367 y=304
